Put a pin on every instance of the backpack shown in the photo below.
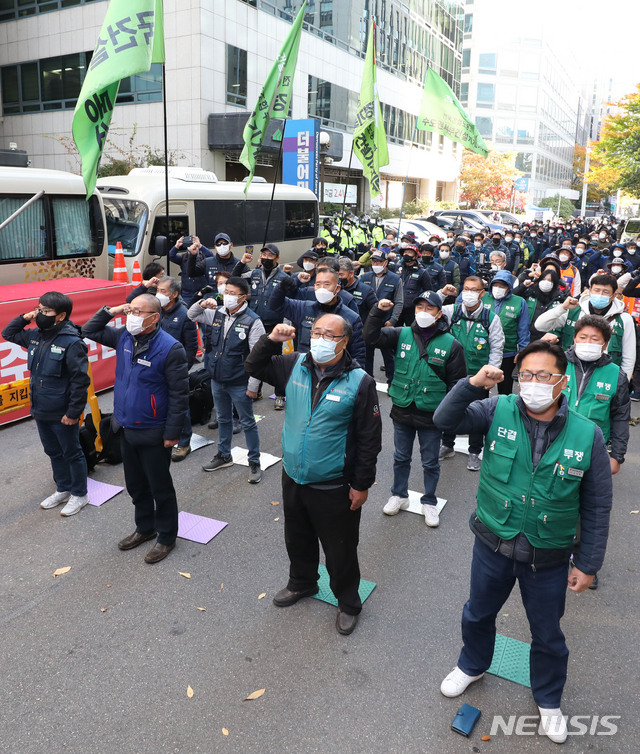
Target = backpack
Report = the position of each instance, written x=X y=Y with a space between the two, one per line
x=110 y=452
x=200 y=396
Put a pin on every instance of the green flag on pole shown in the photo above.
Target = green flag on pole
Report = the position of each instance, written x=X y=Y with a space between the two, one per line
x=441 y=112
x=369 y=138
x=275 y=97
x=131 y=39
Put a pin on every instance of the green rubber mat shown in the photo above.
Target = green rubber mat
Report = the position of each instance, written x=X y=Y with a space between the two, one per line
x=326 y=595
x=511 y=660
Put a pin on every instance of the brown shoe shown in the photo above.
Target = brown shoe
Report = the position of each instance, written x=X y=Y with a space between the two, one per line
x=158 y=552
x=346 y=623
x=180 y=452
x=135 y=539
x=286 y=597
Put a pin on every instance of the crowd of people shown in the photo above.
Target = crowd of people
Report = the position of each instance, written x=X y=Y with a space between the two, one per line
x=545 y=306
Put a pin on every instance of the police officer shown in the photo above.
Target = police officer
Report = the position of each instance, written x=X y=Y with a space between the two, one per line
x=429 y=361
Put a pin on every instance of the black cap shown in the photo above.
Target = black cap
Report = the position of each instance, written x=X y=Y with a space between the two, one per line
x=431 y=297
x=272 y=248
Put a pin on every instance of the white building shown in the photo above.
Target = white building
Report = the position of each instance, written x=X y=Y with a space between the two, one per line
x=218 y=53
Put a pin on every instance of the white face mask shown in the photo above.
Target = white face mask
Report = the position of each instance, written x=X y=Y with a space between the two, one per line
x=564 y=257
x=616 y=269
x=477 y=244
x=508 y=239
x=602 y=235
x=424 y=319
x=580 y=251
x=308 y=266
x=163 y=299
x=221 y=288
x=588 y=351
x=223 y=250
x=377 y=268
x=470 y=298
x=230 y=302
x=498 y=292
x=631 y=251
x=617 y=253
x=537 y=396
x=494 y=268
x=324 y=296
x=135 y=323
x=444 y=255
x=546 y=286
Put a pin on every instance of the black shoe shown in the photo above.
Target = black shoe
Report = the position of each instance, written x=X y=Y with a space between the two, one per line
x=594 y=583
x=237 y=427
x=286 y=597
x=346 y=623
x=213 y=424
x=258 y=397
x=135 y=539
x=255 y=472
x=218 y=462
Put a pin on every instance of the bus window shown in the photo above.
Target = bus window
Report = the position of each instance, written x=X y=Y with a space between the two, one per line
x=72 y=224
x=300 y=220
x=215 y=216
x=257 y=222
x=178 y=227
x=126 y=222
x=25 y=237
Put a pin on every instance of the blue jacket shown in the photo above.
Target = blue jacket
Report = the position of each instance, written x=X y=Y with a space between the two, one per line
x=416 y=280
x=304 y=313
x=261 y=290
x=228 y=353
x=198 y=265
x=57 y=360
x=523 y=317
x=308 y=293
x=437 y=275
x=389 y=287
x=179 y=326
x=364 y=296
x=190 y=284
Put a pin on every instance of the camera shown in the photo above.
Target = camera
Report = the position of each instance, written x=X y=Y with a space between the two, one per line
x=187 y=241
x=483 y=269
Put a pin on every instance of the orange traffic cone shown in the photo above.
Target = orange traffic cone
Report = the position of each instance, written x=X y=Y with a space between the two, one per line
x=119 y=267
x=136 y=275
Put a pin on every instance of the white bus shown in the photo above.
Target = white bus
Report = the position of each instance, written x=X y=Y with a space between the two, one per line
x=57 y=235
x=200 y=205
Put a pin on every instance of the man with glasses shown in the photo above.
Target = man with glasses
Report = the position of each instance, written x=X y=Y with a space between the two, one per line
x=544 y=467
x=151 y=398
x=330 y=441
x=58 y=364
x=480 y=333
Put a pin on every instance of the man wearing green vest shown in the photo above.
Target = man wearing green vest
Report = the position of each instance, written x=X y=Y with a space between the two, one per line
x=598 y=389
x=514 y=317
x=544 y=467
x=429 y=361
x=480 y=333
x=600 y=300
x=330 y=441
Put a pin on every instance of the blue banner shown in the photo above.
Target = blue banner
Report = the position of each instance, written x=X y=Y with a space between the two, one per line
x=301 y=154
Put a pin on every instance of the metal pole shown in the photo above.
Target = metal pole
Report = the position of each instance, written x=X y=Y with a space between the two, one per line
x=275 y=177
x=559 y=200
x=166 y=158
x=346 y=186
x=585 y=184
x=20 y=210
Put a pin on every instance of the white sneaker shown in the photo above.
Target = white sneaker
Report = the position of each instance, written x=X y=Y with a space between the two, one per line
x=54 y=500
x=553 y=724
x=75 y=505
x=395 y=504
x=457 y=681
x=431 y=515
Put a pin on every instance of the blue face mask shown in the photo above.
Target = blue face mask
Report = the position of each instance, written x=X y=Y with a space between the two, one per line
x=598 y=301
x=322 y=350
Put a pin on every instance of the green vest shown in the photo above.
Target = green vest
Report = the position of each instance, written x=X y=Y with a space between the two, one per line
x=543 y=504
x=414 y=380
x=509 y=316
x=614 y=349
x=595 y=401
x=475 y=342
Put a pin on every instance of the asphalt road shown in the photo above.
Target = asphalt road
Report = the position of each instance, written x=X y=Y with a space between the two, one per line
x=100 y=658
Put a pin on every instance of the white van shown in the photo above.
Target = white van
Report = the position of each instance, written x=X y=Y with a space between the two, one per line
x=631 y=229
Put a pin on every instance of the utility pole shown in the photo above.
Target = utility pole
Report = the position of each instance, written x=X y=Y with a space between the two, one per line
x=585 y=184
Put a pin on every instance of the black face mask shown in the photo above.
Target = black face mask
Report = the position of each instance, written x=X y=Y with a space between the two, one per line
x=45 y=321
x=408 y=258
x=427 y=260
x=459 y=248
x=496 y=242
x=268 y=264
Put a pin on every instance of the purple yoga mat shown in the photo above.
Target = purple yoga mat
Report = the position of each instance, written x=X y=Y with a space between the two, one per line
x=100 y=492
x=198 y=528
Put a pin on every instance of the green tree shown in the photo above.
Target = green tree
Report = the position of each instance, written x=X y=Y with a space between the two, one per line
x=566 y=207
x=618 y=150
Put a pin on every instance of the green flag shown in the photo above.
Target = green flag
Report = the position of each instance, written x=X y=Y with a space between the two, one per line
x=131 y=38
x=275 y=97
x=441 y=112
x=369 y=138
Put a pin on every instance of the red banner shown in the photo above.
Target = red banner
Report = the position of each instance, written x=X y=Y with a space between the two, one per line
x=88 y=295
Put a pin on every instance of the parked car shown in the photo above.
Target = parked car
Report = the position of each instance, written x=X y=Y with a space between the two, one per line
x=471 y=214
x=422 y=229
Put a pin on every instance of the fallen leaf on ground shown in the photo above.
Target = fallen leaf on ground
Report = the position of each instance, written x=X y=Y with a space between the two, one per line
x=204 y=609
x=255 y=695
x=221 y=586
x=103 y=609
x=277 y=519
x=635 y=511
x=60 y=571
x=189 y=692
x=108 y=585
x=186 y=575
x=225 y=732
x=506 y=615
x=486 y=738
x=260 y=596
x=275 y=502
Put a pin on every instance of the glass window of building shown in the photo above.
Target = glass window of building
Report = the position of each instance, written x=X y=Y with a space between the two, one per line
x=485 y=127
x=466 y=57
x=468 y=23
x=524 y=162
x=504 y=130
x=507 y=94
x=487 y=62
x=527 y=98
x=464 y=93
x=509 y=63
x=526 y=131
x=529 y=66
x=10 y=9
x=486 y=94
x=236 y=76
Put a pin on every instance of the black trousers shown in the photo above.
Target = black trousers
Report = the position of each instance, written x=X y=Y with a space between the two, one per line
x=506 y=386
x=148 y=479
x=310 y=515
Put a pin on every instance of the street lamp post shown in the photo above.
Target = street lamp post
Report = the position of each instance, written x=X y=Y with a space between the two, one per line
x=325 y=145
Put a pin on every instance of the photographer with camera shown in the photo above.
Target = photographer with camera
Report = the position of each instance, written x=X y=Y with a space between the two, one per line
x=179 y=254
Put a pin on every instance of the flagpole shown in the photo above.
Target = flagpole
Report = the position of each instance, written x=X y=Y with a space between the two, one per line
x=166 y=157
x=346 y=186
x=275 y=178
x=406 y=179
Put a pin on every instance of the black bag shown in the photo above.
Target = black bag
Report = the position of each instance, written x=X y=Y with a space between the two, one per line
x=110 y=452
x=200 y=396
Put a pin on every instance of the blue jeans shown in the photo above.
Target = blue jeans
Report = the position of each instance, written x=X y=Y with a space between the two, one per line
x=226 y=397
x=185 y=435
x=61 y=442
x=429 y=439
x=543 y=595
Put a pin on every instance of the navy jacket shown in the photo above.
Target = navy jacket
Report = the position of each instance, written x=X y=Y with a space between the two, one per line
x=58 y=362
x=178 y=325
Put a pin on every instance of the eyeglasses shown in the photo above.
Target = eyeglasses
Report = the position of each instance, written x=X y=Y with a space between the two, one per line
x=221 y=242
x=48 y=312
x=539 y=376
x=138 y=312
x=473 y=290
x=326 y=336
